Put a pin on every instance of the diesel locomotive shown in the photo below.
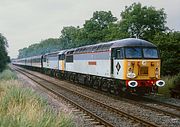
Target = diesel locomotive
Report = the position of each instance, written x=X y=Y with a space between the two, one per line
x=128 y=65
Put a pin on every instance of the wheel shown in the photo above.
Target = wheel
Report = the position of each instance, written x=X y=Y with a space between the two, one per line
x=97 y=83
x=104 y=86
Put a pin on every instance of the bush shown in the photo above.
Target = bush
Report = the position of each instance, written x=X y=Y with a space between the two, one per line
x=171 y=82
x=177 y=80
x=21 y=107
x=7 y=75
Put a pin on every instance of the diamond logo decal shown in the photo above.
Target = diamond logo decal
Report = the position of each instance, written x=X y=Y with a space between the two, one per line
x=118 y=66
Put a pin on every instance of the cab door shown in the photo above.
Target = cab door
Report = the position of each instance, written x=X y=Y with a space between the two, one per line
x=117 y=62
x=113 y=52
x=62 y=62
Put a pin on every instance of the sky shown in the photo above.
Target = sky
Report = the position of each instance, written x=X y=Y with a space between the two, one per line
x=25 y=22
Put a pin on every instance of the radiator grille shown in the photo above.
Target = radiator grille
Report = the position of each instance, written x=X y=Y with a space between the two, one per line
x=143 y=71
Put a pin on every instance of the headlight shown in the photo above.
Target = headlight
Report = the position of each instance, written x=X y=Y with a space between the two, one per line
x=132 y=83
x=160 y=83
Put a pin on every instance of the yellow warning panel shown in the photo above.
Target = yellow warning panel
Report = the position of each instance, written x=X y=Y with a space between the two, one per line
x=61 y=63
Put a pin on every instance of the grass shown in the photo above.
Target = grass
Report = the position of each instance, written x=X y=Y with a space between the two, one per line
x=170 y=81
x=7 y=75
x=21 y=107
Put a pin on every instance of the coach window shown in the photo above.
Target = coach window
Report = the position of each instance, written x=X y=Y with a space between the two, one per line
x=44 y=59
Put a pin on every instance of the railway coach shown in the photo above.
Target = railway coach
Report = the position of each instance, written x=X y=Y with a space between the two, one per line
x=130 y=65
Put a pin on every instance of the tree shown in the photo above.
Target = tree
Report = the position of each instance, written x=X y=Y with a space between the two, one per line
x=169 y=45
x=142 y=21
x=96 y=27
x=45 y=46
x=115 y=32
x=3 y=52
x=69 y=36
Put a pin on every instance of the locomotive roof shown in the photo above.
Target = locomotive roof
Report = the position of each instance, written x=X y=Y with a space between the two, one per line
x=113 y=44
x=52 y=53
x=132 y=42
x=61 y=52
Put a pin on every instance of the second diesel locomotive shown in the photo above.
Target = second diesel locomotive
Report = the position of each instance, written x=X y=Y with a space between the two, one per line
x=130 y=65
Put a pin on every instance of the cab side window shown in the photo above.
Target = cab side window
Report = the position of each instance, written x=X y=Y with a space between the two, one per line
x=61 y=57
x=119 y=53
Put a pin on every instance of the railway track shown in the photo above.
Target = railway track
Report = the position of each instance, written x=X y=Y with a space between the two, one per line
x=43 y=83
x=156 y=106
x=162 y=103
x=150 y=104
x=99 y=118
x=147 y=103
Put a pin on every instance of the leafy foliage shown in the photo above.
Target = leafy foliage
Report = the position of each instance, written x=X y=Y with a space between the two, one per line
x=169 y=45
x=142 y=21
x=3 y=52
x=49 y=45
x=97 y=27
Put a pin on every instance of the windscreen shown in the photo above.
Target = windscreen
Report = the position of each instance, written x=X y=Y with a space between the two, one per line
x=140 y=52
x=133 y=52
x=150 y=53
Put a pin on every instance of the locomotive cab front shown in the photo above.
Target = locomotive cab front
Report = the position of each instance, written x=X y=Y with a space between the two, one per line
x=137 y=63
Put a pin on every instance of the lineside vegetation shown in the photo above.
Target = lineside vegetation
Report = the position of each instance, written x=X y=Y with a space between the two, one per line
x=4 y=58
x=171 y=82
x=21 y=107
